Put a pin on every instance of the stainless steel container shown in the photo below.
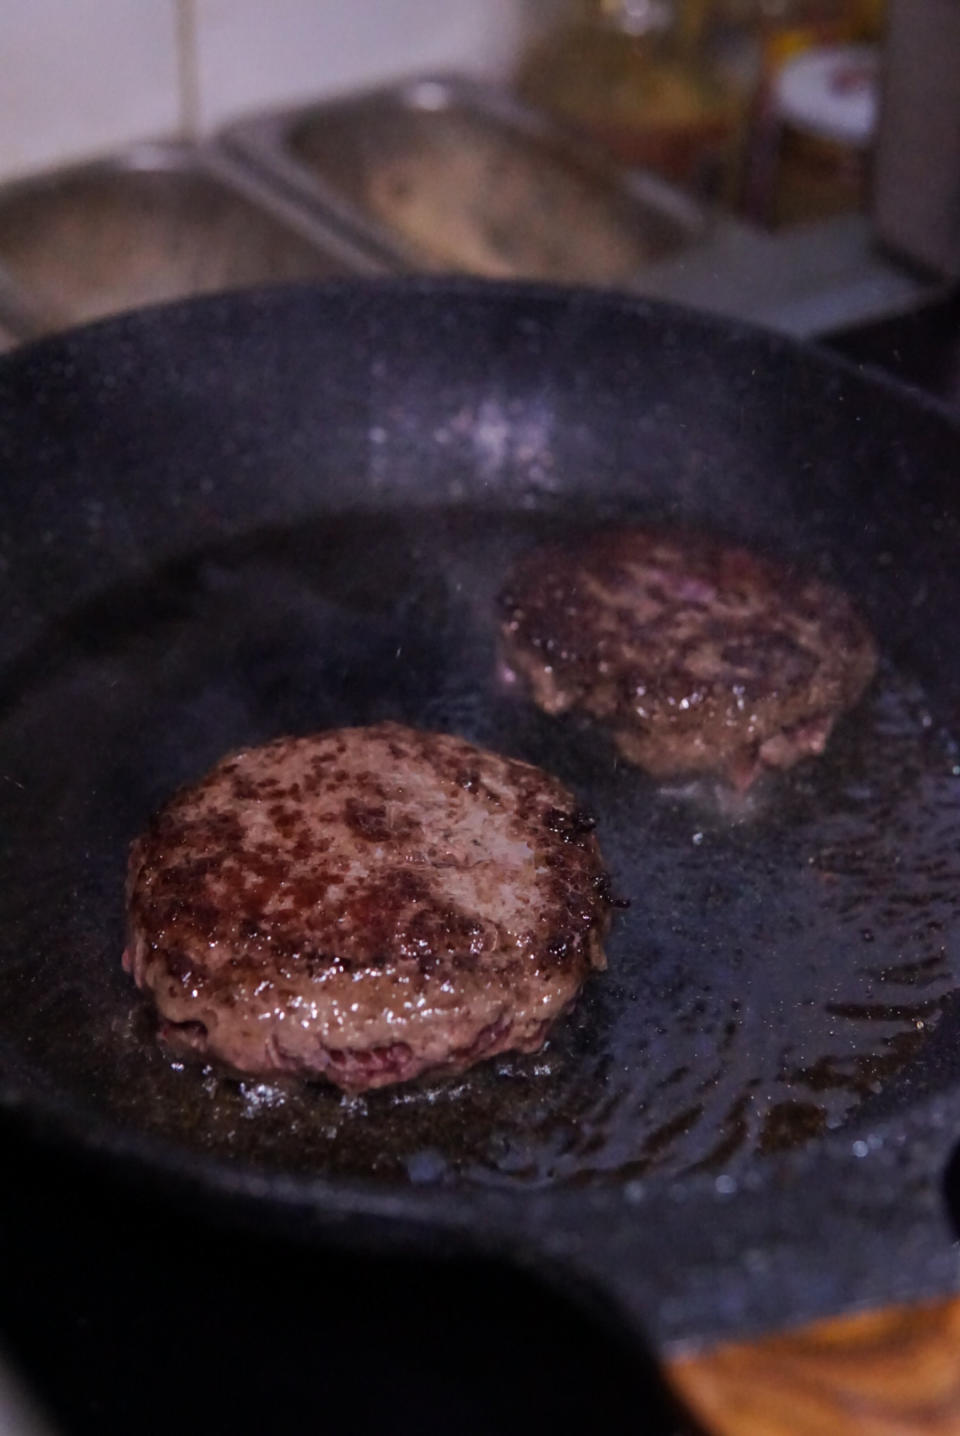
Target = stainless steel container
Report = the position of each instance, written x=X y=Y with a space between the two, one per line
x=448 y=173
x=155 y=222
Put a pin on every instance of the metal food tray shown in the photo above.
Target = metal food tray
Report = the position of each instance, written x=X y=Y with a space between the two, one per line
x=448 y=173
x=155 y=222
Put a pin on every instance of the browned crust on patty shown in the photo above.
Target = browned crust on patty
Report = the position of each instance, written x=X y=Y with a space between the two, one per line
x=366 y=904
x=699 y=656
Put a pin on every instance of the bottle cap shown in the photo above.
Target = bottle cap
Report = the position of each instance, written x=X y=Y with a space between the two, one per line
x=832 y=92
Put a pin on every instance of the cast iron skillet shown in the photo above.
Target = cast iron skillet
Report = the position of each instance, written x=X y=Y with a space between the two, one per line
x=262 y=514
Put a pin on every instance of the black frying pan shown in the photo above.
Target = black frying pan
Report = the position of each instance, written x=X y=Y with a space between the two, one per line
x=270 y=513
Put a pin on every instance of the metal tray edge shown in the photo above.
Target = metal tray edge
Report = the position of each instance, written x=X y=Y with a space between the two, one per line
x=261 y=141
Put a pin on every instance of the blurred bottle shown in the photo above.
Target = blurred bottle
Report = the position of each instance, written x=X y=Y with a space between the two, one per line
x=869 y=19
x=826 y=109
x=784 y=31
x=642 y=78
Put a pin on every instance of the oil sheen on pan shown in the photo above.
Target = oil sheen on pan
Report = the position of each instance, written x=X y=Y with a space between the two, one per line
x=769 y=979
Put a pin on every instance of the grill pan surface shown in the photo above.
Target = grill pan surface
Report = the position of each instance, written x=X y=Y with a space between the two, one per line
x=271 y=513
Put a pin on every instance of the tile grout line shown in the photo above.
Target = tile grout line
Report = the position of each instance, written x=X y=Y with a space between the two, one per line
x=188 y=76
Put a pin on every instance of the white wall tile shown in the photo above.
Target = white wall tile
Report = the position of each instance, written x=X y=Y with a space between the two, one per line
x=250 y=53
x=82 y=76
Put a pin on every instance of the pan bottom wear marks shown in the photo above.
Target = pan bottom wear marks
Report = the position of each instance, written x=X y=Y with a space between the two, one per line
x=773 y=973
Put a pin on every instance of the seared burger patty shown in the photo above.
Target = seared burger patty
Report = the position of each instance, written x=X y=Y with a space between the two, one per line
x=700 y=657
x=366 y=905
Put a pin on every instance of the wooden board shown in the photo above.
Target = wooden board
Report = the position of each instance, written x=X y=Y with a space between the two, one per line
x=894 y=1372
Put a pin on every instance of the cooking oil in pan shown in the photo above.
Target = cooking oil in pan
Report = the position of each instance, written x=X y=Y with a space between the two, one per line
x=770 y=977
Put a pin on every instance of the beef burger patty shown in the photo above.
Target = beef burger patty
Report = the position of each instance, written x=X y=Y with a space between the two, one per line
x=700 y=657
x=367 y=904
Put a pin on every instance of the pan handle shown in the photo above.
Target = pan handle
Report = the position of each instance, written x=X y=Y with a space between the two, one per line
x=892 y=1372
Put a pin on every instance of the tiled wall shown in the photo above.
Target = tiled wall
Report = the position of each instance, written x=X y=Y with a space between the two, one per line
x=250 y=52
x=78 y=77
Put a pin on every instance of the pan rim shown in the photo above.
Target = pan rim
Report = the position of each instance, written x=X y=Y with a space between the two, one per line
x=98 y=1133
x=430 y=286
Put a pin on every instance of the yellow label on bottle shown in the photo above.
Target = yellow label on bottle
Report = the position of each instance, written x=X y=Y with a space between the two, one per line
x=782 y=45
